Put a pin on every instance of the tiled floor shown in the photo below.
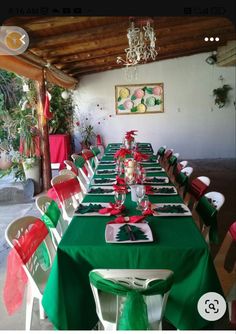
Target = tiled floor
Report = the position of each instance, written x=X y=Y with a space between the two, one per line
x=222 y=173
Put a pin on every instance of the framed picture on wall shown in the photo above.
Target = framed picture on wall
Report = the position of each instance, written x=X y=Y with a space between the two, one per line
x=139 y=99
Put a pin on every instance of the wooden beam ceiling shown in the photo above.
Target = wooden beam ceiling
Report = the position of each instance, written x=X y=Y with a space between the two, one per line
x=83 y=45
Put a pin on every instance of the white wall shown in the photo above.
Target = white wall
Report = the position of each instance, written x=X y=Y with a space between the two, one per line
x=191 y=123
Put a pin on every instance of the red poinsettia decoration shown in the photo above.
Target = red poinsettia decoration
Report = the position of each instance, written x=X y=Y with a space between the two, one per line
x=120 y=188
x=138 y=156
x=129 y=136
x=122 y=153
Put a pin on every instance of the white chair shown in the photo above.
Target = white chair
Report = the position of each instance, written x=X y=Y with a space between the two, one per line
x=68 y=203
x=109 y=306
x=42 y=203
x=216 y=199
x=196 y=190
x=75 y=172
x=205 y=213
x=96 y=153
x=35 y=271
x=187 y=171
x=83 y=167
x=184 y=163
x=88 y=157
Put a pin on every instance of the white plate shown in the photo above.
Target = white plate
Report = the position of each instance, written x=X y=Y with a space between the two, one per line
x=111 y=172
x=105 y=205
x=112 y=181
x=109 y=163
x=102 y=187
x=113 y=229
x=154 y=169
x=163 y=194
x=148 y=163
x=149 y=180
x=160 y=205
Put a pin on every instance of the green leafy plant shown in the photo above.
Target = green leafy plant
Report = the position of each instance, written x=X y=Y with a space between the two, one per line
x=61 y=109
x=221 y=95
x=88 y=135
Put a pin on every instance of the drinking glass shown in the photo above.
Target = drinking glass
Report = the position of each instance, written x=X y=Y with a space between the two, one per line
x=144 y=204
x=140 y=192
x=119 y=198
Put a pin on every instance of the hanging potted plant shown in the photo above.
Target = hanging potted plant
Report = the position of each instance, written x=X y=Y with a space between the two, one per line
x=221 y=95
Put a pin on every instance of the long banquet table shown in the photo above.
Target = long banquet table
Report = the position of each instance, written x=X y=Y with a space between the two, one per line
x=178 y=246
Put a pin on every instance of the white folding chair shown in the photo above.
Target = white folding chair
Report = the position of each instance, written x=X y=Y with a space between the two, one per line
x=109 y=306
x=70 y=203
x=42 y=203
x=37 y=274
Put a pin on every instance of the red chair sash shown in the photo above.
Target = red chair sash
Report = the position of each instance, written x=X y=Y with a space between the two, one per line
x=232 y=231
x=87 y=155
x=72 y=166
x=67 y=189
x=198 y=188
x=168 y=154
x=16 y=278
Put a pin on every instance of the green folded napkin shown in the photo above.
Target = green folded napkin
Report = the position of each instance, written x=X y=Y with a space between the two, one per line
x=130 y=232
x=107 y=162
x=88 y=208
x=163 y=191
x=105 y=171
x=153 y=169
x=154 y=180
x=100 y=191
x=97 y=181
x=171 y=209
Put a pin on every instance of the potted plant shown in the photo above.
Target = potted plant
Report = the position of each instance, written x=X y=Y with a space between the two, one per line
x=221 y=95
x=30 y=146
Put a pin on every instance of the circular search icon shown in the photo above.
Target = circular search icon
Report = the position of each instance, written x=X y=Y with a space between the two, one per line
x=211 y=306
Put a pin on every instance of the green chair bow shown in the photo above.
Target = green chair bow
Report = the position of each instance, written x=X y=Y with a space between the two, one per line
x=134 y=314
x=173 y=160
x=95 y=150
x=52 y=215
x=208 y=214
x=161 y=151
x=80 y=162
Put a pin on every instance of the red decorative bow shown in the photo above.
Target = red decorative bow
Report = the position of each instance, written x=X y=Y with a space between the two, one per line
x=138 y=156
x=149 y=190
x=112 y=209
x=132 y=219
x=122 y=153
x=148 y=211
x=120 y=188
x=120 y=180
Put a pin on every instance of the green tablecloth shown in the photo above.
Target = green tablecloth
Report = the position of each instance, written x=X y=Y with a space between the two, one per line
x=178 y=245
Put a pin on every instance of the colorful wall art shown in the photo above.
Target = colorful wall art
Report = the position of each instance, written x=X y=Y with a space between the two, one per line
x=139 y=99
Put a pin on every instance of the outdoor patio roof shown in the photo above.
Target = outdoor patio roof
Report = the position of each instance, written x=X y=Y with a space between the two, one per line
x=80 y=45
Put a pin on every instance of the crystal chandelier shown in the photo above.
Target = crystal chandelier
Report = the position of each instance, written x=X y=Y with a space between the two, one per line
x=142 y=44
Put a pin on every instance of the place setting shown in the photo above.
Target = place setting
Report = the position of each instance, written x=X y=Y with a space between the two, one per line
x=152 y=180
x=106 y=172
x=170 y=209
x=103 y=181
